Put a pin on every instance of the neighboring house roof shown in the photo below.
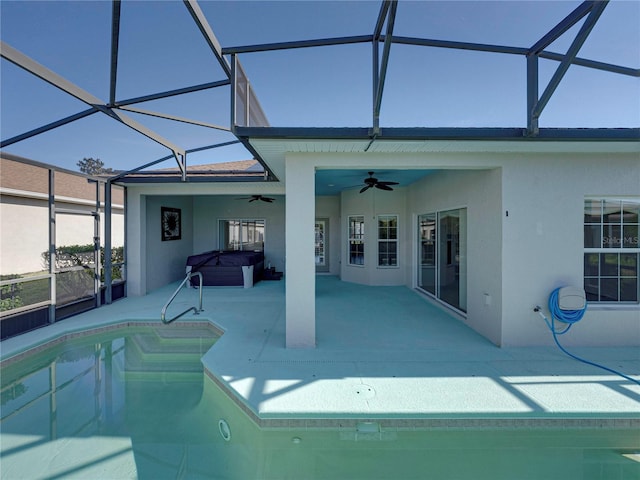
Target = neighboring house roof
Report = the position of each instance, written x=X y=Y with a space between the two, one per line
x=241 y=170
x=236 y=166
x=18 y=176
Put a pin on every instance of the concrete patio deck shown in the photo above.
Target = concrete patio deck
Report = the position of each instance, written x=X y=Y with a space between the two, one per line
x=383 y=353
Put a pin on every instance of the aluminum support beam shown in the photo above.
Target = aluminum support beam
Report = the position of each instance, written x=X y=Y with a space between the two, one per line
x=46 y=128
x=479 y=47
x=388 y=13
x=383 y=66
x=425 y=42
x=269 y=175
x=196 y=177
x=52 y=246
x=234 y=84
x=182 y=164
x=19 y=59
x=577 y=43
x=382 y=15
x=115 y=38
x=583 y=62
x=160 y=160
x=96 y=245
x=137 y=169
x=207 y=32
x=172 y=93
x=174 y=118
x=375 y=63
x=441 y=133
x=217 y=145
x=108 y=222
x=14 y=56
x=138 y=127
x=569 y=21
x=532 y=92
x=321 y=42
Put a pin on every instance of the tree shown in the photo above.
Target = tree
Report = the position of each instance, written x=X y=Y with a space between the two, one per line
x=93 y=166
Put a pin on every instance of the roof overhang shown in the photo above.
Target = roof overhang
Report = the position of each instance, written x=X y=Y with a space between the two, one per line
x=271 y=144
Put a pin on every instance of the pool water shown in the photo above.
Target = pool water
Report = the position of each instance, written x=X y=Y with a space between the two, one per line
x=100 y=406
x=135 y=403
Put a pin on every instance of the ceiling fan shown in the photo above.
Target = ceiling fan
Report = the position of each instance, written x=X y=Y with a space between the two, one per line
x=373 y=182
x=253 y=198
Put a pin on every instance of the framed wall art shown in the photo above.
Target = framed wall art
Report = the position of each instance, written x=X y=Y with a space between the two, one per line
x=171 y=223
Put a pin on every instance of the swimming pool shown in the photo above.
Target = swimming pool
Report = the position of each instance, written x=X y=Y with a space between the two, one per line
x=135 y=402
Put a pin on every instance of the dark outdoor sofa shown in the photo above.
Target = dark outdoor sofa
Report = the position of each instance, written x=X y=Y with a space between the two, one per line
x=225 y=268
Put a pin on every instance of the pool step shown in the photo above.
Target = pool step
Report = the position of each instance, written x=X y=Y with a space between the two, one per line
x=154 y=345
x=169 y=333
x=167 y=350
x=178 y=340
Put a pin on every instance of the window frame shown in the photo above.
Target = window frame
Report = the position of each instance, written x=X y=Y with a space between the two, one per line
x=356 y=238
x=242 y=242
x=608 y=247
x=388 y=240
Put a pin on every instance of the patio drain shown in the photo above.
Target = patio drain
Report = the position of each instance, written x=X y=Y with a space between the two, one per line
x=364 y=391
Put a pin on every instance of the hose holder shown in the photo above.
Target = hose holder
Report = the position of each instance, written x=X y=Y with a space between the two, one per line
x=571 y=299
x=568 y=305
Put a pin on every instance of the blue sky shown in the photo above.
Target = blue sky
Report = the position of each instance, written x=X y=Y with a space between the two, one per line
x=161 y=49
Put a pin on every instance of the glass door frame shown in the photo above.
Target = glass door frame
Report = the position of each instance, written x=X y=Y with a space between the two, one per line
x=323 y=267
x=436 y=243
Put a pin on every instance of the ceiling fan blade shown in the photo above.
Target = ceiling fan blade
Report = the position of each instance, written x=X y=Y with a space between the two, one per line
x=365 y=188
x=381 y=186
x=388 y=183
x=266 y=199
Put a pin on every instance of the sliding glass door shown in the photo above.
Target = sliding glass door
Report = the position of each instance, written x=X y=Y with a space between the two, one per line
x=442 y=254
x=427 y=253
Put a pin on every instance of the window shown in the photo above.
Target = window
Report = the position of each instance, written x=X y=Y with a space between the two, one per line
x=242 y=235
x=387 y=240
x=611 y=250
x=356 y=240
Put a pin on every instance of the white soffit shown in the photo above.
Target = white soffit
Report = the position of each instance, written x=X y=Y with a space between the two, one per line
x=273 y=151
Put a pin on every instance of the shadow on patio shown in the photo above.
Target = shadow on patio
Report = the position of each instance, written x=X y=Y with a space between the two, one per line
x=388 y=352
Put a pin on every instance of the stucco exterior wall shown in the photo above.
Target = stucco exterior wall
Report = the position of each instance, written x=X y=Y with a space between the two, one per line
x=370 y=204
x=300 y=286
x=479 y=192
x=166 y=260
x=543 y=242
x=524 y=230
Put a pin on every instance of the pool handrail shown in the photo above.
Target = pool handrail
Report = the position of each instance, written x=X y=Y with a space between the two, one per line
x=166 y=305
